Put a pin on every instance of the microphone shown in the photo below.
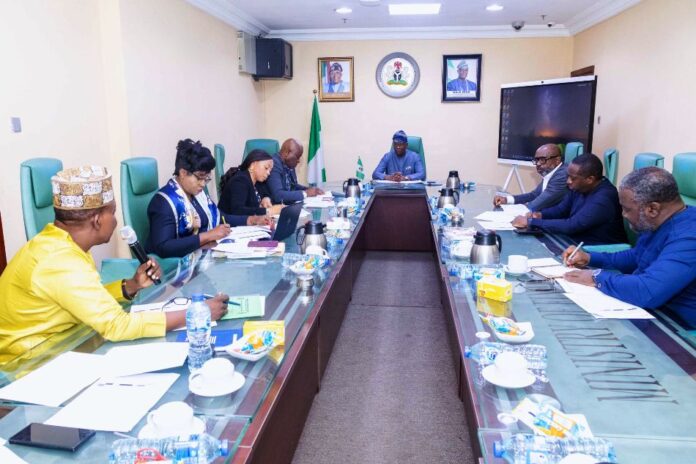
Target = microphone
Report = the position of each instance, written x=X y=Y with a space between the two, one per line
x=128 y=234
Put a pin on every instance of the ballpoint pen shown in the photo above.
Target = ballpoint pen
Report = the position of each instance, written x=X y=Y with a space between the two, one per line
x=565 y=263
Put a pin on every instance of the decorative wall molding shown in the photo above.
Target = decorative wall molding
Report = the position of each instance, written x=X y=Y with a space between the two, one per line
x=597 y=13
x=401 y=33
x=231 y=15
x=226 y=12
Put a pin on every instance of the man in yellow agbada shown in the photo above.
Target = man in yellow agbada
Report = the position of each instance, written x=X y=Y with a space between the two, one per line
x=52 y=283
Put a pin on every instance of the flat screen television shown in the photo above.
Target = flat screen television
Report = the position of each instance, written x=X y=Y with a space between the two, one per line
x=549 y=111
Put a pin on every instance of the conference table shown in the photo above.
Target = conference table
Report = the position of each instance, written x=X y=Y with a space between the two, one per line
x=634 y=380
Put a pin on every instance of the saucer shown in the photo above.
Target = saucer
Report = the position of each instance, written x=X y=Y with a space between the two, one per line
x=508 y=271
x=149 y=430
x=492 y=374
x=528 y=334
x=235 y=384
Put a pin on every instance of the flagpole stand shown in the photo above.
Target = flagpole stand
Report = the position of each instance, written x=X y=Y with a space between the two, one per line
x=513 y=170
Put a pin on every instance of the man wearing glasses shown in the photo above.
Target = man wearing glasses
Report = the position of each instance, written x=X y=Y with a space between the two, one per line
x=551 y=190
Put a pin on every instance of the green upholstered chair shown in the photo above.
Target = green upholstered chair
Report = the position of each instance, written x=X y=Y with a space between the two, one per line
x=611 y=164
x=37 y=193
x=139 y=183
x=572 y=151
x=269 y=145
x=219 y=165
x=647 y=159
x=614 y=247
x=415 y=144
x=684 y=171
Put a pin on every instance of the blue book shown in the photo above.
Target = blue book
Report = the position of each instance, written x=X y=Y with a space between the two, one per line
x=217 y=337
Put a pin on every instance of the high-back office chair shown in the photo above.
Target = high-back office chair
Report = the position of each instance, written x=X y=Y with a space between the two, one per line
x=37 y=193
x=646 y=159
x=219 y=166
x=139 y=183
x=572 y=151
x=684 y=171
x=268 y=145
x=611 y=164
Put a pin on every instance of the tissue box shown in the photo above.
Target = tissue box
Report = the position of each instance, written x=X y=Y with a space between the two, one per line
x=494 y=289
x=276 y=326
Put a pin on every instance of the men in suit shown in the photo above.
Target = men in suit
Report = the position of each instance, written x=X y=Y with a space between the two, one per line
x=660 y=271
x=335 y=82
x=549 y=164
x=282 y=182
x=461 y=84
x=399 y=163
x=590 y=212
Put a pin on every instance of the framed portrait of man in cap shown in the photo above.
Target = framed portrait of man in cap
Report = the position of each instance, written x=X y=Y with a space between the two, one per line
x=461 y=78
x=336 y=79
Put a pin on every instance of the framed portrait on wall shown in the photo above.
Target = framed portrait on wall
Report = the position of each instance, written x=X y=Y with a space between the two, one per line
x=336 y=79
x=461 y=78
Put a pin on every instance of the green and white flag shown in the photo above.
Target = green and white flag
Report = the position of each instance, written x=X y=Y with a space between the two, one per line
x=360 y=172
x=316 y=172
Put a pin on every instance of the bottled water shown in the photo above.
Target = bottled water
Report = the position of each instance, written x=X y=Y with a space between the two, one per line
x=193 y=449
x=198 y=332
x=530 y=449
x=485 y=352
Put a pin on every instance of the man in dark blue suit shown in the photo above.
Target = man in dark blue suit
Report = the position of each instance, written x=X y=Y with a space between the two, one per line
x=590 y=212
x=552 y=189
x=283 y=181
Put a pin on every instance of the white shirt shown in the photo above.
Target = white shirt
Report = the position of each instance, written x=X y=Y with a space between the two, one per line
x=544 y=183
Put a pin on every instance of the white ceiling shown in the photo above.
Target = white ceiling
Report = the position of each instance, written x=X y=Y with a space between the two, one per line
x=316 y=19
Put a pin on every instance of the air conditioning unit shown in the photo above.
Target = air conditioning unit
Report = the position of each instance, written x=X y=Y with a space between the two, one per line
x=246 y=51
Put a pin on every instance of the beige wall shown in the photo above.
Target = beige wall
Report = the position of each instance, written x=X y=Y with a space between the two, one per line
x=182 y=81
x=646 y=62
x=99 y=81
x=52 y=78
x=461 y=136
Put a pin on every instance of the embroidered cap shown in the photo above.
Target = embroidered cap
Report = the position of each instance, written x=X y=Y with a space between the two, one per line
x=462 y=65
x=400 y=136
x=86 y=187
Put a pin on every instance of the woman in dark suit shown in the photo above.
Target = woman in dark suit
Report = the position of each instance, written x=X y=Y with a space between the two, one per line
x=243 y=188
x=182 y=216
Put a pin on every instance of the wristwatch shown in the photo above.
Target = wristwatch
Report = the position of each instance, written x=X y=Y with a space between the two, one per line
x=595 y=273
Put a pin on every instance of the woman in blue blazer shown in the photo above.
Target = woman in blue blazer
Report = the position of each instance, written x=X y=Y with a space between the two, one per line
x=182 y=216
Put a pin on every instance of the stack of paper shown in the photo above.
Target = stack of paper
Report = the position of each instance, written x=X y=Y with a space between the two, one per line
x=56 y=381
x=552 y=272
x=517 y=210
x=320 y=201
x=242 y=250
x=496 y=220
x=114 y=404
x=603 y=306
x=247 y=233
x=144 y=357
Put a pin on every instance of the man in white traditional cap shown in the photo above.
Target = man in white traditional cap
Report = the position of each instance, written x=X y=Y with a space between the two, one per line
x=52 y=284
x=461 y=84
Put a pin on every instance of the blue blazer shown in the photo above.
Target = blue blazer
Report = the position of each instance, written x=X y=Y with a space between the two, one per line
x=282 y=183
x=555 y=191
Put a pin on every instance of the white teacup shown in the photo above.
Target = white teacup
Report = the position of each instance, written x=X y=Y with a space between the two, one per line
x=174 y=418
x=517 y=263
x=316 y=250
x=510 y=364
x=215 y=374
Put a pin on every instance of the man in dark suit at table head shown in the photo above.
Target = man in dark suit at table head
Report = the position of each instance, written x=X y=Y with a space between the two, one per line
x=549 y=164
x=283 y=181
x=590 y=212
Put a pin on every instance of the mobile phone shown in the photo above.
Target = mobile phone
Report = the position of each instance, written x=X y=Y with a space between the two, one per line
x=52 y=437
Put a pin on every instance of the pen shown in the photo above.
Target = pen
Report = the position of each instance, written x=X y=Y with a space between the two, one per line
x=573 y=253
x=222 y=218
